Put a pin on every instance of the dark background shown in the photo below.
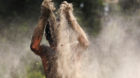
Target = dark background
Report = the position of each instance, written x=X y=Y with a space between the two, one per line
x=88 y=10
x=85 y=9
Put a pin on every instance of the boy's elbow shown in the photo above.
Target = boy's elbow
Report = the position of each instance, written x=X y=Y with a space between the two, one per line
x=86 y=44
x=33 y=48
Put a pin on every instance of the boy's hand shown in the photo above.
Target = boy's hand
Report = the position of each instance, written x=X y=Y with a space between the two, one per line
x=48 y=4
x=66 y=7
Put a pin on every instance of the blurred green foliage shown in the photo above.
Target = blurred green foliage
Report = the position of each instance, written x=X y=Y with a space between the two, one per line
x=129 y=5
x=35 y=70
x=10 y=7
x=87 y=11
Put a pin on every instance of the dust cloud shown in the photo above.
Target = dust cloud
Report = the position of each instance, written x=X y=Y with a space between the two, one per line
x=114 y=53
x=15 y=53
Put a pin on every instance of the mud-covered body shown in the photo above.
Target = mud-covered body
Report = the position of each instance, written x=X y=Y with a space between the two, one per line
x=65 y=36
